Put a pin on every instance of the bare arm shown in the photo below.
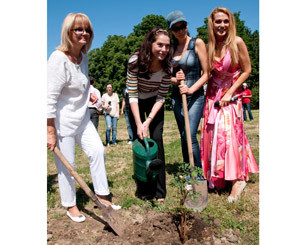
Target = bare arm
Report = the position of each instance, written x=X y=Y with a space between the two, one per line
x=245 y=64
x=98 y=104
x=202 y=55
x=122 y=108
x=156 y=107
x=136 y=114
x=142 y=128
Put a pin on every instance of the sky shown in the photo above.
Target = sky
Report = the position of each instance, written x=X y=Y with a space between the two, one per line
x=118 y=17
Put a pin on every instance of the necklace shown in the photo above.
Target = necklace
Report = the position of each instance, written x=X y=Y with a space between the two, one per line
x=75 y=59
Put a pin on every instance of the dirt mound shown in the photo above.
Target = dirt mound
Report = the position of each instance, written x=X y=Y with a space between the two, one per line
x=143 y=226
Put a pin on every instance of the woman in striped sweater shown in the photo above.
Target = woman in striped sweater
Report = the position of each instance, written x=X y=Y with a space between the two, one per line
x=148 y=80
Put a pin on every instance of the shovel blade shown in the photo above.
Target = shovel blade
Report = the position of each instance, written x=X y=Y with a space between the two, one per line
x=199 y=202
x=113 y=219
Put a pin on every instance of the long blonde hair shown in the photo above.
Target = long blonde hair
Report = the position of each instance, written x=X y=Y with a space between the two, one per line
x=230 y=39
x=68 y=24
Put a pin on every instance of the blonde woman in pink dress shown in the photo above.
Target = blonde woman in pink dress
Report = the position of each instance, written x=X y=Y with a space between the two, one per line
x=225 y=151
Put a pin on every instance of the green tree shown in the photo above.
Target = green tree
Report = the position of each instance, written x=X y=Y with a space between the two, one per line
x=203 y=32
x=148 y=23
x=108 y=65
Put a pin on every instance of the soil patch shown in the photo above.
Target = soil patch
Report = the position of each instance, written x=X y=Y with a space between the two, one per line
x=143 y=226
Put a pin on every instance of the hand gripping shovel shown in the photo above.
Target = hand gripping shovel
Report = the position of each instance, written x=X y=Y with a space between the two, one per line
x=109 y=214
x=199 y=202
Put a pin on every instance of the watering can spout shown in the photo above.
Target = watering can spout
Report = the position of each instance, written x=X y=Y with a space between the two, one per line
x=155 y=165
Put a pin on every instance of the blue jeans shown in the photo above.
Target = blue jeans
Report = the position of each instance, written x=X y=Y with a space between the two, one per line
x=126 y=113
x=195 y=110
x=111 y=125
x=247 y=107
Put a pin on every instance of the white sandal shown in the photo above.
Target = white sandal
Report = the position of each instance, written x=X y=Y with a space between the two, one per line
x=77 y=219
x=115 y=207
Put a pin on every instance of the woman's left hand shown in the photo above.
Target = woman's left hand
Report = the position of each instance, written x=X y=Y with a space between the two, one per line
x=145 y=128
x=180 y=75
x=93 y=98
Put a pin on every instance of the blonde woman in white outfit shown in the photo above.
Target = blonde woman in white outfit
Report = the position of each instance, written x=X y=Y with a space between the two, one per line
x=68 y=117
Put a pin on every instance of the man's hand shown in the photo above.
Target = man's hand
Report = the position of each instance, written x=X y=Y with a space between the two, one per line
x=93 y=98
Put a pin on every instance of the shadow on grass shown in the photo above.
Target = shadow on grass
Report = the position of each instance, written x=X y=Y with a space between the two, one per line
x=97 y=218
x=51 y=181
x=82 y=198
x=226 y=189
x=173 y=168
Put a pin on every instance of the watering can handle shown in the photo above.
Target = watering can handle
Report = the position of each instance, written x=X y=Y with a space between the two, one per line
x=146 y=144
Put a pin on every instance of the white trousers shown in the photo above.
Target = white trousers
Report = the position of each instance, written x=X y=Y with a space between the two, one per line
x=91 y=144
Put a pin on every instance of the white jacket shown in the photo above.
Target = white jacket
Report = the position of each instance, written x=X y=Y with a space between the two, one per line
x=68 y=93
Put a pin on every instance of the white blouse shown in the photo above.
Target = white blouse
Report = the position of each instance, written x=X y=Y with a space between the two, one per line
x=68 y=93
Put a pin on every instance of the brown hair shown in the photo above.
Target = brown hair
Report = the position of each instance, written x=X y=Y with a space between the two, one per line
x=144 y=60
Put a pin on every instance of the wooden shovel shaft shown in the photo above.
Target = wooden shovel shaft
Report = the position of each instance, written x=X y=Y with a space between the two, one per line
x=78 y=178
x=201 y=186
x=187 y=127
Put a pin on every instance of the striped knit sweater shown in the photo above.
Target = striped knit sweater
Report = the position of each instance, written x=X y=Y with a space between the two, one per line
x=141 y=88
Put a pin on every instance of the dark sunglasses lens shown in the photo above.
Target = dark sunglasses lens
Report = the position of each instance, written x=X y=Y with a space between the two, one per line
x=177 y=28
x=80 y=30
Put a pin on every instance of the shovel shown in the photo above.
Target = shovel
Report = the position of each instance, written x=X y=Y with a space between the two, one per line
x=109 y=214
x=199 y=202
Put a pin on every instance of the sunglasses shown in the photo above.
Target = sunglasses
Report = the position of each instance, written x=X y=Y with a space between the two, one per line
x=178 y=28
x=81 y=30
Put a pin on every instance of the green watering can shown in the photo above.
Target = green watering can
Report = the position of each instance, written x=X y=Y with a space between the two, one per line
x=145 y=165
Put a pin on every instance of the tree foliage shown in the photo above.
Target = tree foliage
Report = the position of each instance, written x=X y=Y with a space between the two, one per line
x=149 y=22
x=109 y=63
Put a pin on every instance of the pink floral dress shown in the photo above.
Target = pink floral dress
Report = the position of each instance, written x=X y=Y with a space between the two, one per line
x=225 y=150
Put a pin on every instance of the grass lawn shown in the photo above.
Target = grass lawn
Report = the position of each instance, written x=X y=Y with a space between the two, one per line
x=242 y=215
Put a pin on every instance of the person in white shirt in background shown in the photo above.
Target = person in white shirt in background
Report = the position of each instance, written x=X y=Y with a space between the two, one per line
x=96 y=107
x=110 y=104
x=68 y=117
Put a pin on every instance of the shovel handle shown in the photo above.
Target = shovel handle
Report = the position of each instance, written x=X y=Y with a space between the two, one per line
x=187 y=127
x=78 y=178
